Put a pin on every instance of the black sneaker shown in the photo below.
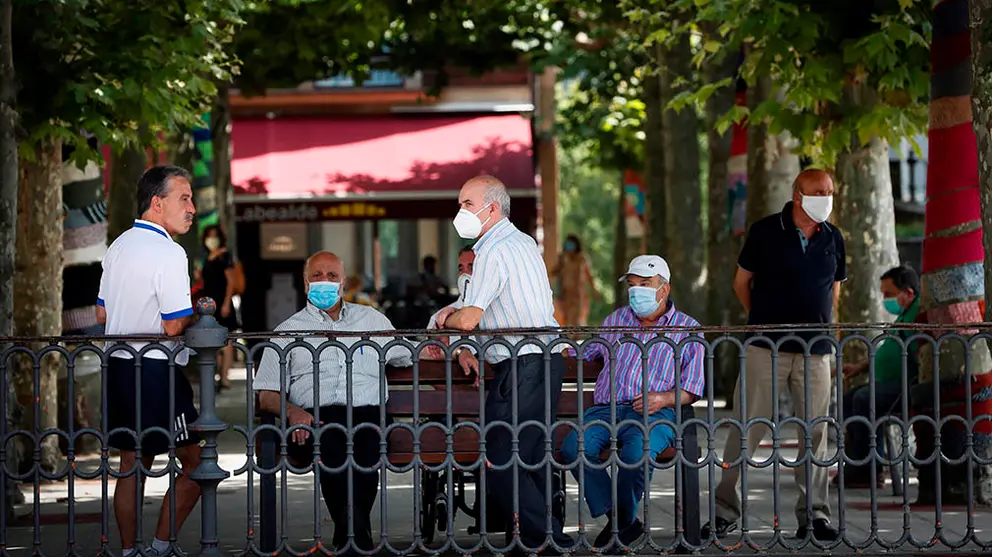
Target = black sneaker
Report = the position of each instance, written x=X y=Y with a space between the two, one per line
x=605 y=535
x=822 y=531
x=723 y=527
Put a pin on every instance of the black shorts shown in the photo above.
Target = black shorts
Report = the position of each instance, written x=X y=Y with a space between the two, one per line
x=122 y=407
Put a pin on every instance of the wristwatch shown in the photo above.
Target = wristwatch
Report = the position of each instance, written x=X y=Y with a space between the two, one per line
x=457 y=352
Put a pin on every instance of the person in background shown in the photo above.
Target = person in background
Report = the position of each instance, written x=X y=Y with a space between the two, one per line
x=325 y=311
x=218 y=283
x=574 y=274
x=648 y=280
x=510 y=289
x=466 y=261
x=901 y=290
x=144 y=291
x=789 y=271
x=355 y=293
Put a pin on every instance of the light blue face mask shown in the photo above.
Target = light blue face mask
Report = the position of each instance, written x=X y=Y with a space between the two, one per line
x=892 y=306
x=643 y=300
x=324 y=294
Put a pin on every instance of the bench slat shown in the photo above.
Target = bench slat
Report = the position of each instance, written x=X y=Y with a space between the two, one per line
x=464 y=403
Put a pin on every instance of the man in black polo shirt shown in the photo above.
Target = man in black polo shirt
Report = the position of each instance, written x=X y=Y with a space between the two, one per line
x=790 y=270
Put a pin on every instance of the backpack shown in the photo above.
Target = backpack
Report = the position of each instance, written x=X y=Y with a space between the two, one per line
x=238 y=287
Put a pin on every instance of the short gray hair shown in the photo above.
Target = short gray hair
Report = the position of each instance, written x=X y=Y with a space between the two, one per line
x=496 y=193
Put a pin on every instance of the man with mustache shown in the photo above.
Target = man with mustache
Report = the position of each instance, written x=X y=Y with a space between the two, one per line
x=145 y=290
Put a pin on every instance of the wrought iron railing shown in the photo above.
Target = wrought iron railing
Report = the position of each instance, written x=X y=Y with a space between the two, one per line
x=434 y=444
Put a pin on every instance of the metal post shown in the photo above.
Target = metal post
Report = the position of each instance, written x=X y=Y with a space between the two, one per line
x=207 y=337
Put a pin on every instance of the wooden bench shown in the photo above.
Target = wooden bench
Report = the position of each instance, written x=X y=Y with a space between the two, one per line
x=465 y=405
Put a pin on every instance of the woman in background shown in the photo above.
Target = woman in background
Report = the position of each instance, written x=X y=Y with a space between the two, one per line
x=218 y=283
x=574 y=274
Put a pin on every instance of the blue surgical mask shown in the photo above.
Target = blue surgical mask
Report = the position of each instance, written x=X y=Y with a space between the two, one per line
x=892 y=306
x=643 y=300
x=324 y=294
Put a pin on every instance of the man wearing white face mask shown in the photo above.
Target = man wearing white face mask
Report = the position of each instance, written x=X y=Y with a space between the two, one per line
x=510 y=289
x=789 y=272
x=466 y=260
x=324 y=279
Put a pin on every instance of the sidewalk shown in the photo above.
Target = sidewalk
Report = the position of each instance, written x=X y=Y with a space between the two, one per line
x=238 y=504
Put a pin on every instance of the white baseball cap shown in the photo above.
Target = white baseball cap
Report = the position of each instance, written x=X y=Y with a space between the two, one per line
x=648 y=266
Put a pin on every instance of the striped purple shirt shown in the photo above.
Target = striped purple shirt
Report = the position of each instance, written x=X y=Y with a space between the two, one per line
x=661 y=359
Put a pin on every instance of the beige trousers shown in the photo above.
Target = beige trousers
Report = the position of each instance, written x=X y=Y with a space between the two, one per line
x=760 y=404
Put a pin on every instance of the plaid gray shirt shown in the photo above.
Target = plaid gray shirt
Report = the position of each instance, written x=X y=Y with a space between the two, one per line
x=366 y=375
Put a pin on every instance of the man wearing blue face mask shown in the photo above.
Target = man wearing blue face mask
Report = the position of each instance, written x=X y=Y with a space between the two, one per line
x=648 y=285
x=900 y=290
x=324 y=278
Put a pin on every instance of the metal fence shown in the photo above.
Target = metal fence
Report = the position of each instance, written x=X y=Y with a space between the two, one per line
x=435 y=444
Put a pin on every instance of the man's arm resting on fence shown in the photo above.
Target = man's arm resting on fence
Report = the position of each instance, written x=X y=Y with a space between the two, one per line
x=271 y=401
x=175 y=327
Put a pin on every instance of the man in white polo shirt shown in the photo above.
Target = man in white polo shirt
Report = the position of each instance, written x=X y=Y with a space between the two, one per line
x=145 y=290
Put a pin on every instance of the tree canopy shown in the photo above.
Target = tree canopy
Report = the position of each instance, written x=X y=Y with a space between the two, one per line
x=117 y=70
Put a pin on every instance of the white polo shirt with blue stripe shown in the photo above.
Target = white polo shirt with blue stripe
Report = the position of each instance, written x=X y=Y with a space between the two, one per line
x=145 y=281
x=510 y=285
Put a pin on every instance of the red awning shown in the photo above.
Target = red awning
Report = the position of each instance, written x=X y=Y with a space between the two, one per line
x=368 y=155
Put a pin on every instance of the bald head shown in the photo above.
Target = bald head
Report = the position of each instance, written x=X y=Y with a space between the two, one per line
x=813 y=181
x=484 y=191
x=324 y=266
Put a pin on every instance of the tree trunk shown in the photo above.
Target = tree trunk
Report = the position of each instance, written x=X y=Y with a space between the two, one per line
x=771 y=169
x=683 y=190
x=220 y=130
x=38 y=289
x=723 y=244
x=866 y=217
x=620 y=246
x=772 y=166
x=654 y=161
x=8 y=226
x=126 y=168
x=953 y=264
x=981 y=102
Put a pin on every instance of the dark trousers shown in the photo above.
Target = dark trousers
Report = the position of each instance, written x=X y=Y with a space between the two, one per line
x=857 y=402
x=335 y=486
x=533 y=396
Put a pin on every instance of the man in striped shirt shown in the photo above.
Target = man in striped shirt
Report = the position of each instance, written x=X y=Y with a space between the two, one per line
x=666 y=378
x=510 y=289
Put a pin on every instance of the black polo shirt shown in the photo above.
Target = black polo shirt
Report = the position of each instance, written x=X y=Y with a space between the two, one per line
x=790 y=284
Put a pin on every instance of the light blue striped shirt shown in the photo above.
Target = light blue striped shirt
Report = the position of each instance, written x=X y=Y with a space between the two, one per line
x=510 y=285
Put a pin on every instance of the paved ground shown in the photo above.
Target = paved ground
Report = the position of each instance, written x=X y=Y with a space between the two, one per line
x=238 y=504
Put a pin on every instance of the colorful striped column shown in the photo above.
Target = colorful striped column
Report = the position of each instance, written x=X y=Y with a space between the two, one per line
x=953 y=268
x=737 y=166
x=204 y=192
x=84 y=242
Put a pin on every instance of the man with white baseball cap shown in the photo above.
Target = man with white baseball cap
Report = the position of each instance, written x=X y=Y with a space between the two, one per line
x=648 y=280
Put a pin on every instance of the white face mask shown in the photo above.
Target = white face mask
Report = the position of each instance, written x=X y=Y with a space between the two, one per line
x=463 y=280
x=468 y=225
x=212 y=242
x=818 y=207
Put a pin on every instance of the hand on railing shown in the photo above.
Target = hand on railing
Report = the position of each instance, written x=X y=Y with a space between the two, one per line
x=470 y=365
x=434 y=352
x=298 y=416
